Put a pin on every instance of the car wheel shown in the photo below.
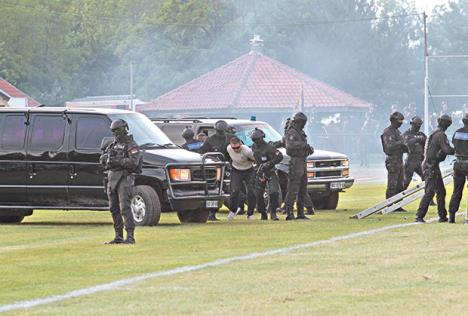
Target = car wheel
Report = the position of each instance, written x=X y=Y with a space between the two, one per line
x=146 y=207
x=199 y=215
x=11 y=218
x=332 y=201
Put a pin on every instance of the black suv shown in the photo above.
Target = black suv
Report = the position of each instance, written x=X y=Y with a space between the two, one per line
x=49 y=159
x=327 y=172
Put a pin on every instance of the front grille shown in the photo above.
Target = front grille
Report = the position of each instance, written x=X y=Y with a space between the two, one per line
x=330 y=163
x=197 y=175
x=335 y=173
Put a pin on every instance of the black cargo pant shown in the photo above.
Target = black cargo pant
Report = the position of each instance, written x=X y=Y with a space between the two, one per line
x=412 y=165
x=460 y=173
x=308 y=204
x=241 y=179
x=120 y=203
x=434 y=184
x=394 y=176
x=297 y=185
x=272 y=185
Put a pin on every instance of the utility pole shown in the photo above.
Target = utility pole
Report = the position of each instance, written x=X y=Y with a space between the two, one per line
x=426 y=78
x=132 y=106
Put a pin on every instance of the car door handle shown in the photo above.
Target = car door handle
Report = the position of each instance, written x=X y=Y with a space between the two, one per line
x=73 y=173
x=32 y=171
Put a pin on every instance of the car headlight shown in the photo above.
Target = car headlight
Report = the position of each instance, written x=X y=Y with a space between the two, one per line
x=345 y=163
x=180 y=174
x=310 y=164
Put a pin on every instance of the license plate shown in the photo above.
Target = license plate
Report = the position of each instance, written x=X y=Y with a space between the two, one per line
x=337 y=185
x=211 y=204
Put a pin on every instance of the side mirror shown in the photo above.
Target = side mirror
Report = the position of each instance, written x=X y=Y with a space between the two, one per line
x=106 y=141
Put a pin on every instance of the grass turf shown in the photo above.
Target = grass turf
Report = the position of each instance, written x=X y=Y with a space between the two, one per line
x=55 y=252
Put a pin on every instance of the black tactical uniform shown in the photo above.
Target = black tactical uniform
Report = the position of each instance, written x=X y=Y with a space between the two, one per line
x=121 y=160
x=394 y=147
x=298 y=149
x=437 y=149
x=460 y=168
x=307 y=200
x=190 y=142
x=217 y=143
x=266 y=158
x=414 y=141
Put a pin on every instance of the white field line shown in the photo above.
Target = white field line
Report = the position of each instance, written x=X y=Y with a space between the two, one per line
x=154 y=275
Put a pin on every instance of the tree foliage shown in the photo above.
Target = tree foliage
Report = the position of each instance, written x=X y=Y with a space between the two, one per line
x=60 y=49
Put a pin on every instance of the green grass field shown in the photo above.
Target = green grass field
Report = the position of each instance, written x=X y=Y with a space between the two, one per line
x=414 y=270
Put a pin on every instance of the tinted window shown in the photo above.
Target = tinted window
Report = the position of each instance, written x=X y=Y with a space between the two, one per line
x=90 y=131
x=47 y=132
x=243 y=132
x=13 y=132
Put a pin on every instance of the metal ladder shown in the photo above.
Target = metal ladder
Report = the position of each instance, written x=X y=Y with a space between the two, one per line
x=401 y=199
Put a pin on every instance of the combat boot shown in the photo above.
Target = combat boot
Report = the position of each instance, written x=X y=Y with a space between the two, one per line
x=118 y=239
x=273 y=216
x=212 y=216
x=310 y=211
x=264 y=216
x=130 y=237
x=290 y=215
x=300 y=214
x=451 y=218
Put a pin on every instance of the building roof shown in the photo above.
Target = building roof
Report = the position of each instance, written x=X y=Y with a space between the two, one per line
x=253 y=81
x=11 y=91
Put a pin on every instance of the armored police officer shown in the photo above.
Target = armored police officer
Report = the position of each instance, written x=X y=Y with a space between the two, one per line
x=414 y=140
x=217 y=143
x=190 y=142
x=281 y=143
x=266 y=158
x=298 y=149
x=460 y=168
x=437 y=149
x=122 y=160
x=394 y=147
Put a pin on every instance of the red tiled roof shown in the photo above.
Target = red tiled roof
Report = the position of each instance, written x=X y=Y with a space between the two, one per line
x=12 y=91
x=253 y=81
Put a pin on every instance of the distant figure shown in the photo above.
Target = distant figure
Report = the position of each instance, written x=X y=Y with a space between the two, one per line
x=437 y=149
x=460 y=168
x=190 y=142
x=201 y=137
x=394 y=147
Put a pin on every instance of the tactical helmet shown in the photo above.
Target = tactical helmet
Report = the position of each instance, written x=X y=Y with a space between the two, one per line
x=444 y=120
x=257 y=134
x=221 y=126
x=188 y=132
x=416 y=121
x=119 y=127
x=396 y=116
x=299 y=116
x=465 y=119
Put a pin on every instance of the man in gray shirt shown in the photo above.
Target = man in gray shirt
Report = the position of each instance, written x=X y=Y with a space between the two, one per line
x=242 y=174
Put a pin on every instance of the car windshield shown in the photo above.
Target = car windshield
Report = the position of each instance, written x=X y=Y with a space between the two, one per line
x=243 y=132
x=144 y=132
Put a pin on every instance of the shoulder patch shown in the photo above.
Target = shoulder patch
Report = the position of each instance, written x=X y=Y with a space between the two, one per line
x=133 y=150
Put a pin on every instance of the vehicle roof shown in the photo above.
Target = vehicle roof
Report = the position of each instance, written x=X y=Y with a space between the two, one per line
x=210 y=121
x=46 y=109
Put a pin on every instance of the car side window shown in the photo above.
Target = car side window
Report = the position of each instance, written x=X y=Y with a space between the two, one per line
x=48 y=132
x=90 y=131
x=13 y=132
x=174 y=132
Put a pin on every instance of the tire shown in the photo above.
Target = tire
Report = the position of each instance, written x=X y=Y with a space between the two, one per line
x=200 y=215
x=146 y=206
x=332 y=201
x=11 y=218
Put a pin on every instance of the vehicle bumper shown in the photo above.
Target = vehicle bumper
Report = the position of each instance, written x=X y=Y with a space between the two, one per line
x=325 y=184
x=191 y=200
